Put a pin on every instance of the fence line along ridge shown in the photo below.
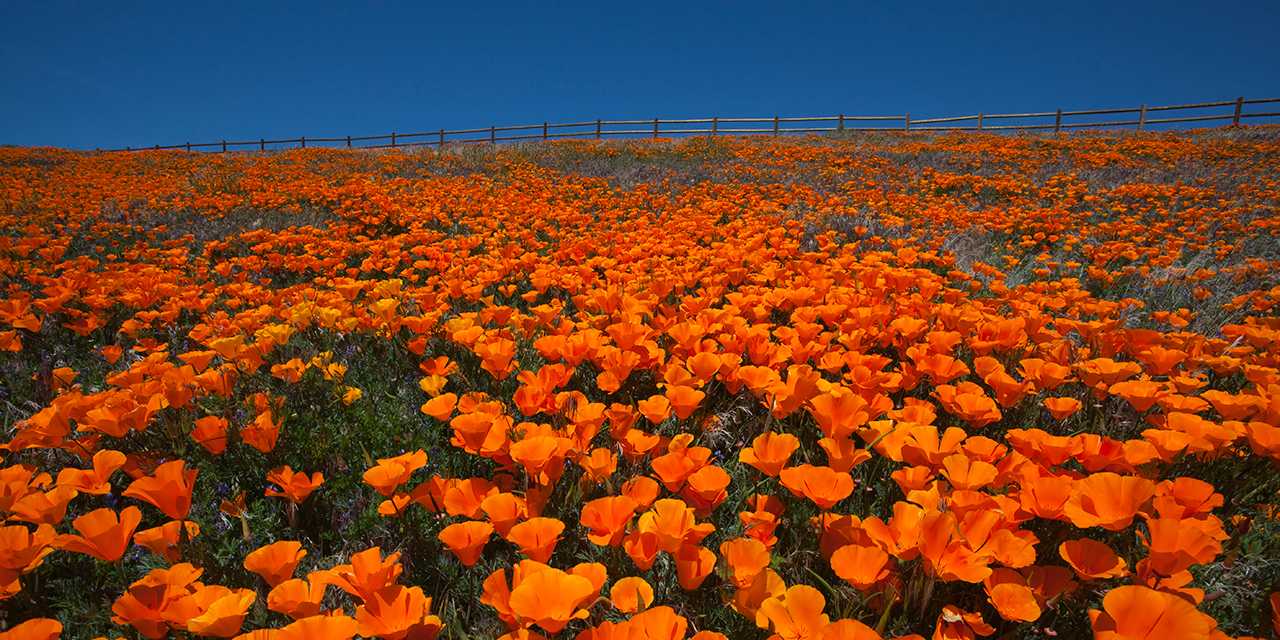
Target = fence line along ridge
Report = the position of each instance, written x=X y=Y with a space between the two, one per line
x=1058 y=120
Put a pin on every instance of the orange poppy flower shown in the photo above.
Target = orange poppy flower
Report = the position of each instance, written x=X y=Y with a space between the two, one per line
x=210 y=432
x=693 y=565
x=536 y=537
x=166 y=540
x=1061 y=408
x=275 y=562
x=631 y=595
x=847 y=629
x=465 y=497
x=104 y=534
x=367 y=573
x=221 y=611
x=1176 y=545
x=839 y=413
x=674 y=525
x=684 y=400
x=769 y=452
x=860 y=565
x=168 y=489
x=22 y=550
x=397 y=612
x=466 y=540
x=795 y=615
x=150 y=605
x=706 y=488
x=655 y=409
x=297 y=598
x=1014 y=602
x=325 y=627
x=542 y=457
x=822 y=485
x=1107 y=500
x=1092 y=560
x=441 y=406
x=1138 y=613
x=43 y=507
x=34 y=629
x=94 y=481
x=606 y=519
x=966 y=474
x=387 y=476
x=294 y=486
x=550 y=598
x=956 y=624
x=746 y=558
x=504 y=510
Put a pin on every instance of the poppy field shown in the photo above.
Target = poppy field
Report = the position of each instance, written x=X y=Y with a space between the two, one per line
x=875 y=385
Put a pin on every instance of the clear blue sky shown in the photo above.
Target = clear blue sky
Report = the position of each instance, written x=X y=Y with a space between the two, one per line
x=105 y=74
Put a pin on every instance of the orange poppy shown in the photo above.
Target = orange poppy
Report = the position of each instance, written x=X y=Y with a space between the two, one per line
x=397 y=612
x=166 y=540
x=550 y=598
x=631 y=595
x=275 y=562
x=466 y=540
x=387 y=476
x=795 y=615
x=606 y=519
x=294 y=486
x=104 y=534
x=536 y=537
x=96 y=480
x=860 y=565
x=1092 y=560
x=769 y=452
x=1107 y=500
x=1138 y=613
x=168 y=489
x=822 y=485
x=746 y=558
x=297 y=598
x=34 y=629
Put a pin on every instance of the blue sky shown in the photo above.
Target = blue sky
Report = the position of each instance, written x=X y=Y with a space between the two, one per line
x=86 y=74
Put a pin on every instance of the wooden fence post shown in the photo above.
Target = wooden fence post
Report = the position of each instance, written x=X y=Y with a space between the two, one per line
x=840 y=127
x=715 y=125
x=906 y=122
x=188 y=147
x=979 y=122
x=597 y=128
x=224 y=146
x=544 y=129
x=1057 y=122
x=493 y=135
x=303 y=141
x=262 y=144
x=442 y=138
x=655 y=128
x=393 y=139
x=1142 y=117
x=1235 y=121
x=775 y=125
x=348 y=142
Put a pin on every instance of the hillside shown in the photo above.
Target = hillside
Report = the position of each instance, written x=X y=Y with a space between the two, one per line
x=856 y=386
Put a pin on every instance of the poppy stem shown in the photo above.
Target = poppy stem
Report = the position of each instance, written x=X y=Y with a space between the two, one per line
x=891 y=596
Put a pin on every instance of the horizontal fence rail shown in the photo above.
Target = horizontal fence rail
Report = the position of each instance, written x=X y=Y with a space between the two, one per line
x=1223 y=113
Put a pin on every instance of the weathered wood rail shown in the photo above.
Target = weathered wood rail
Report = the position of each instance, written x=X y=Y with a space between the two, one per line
x=1223 y=112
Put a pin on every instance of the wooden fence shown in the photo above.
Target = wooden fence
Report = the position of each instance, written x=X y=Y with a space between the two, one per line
x=1226 y=113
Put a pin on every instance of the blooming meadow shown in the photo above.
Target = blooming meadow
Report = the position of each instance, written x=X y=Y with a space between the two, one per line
x=855 y=387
